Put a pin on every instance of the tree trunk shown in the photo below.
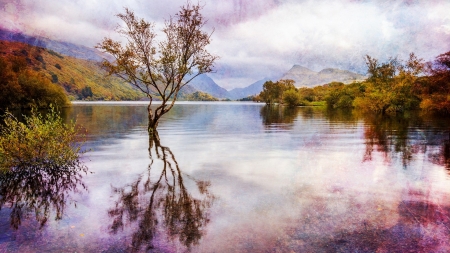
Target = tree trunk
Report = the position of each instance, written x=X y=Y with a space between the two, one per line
x=153 y=139
x=152 y=121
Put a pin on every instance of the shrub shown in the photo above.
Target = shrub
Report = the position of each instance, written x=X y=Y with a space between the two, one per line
x=41 y=143
x=291 y=97
x=55 y=54
x=54 y=78
x=40 y=166
x=38 y=91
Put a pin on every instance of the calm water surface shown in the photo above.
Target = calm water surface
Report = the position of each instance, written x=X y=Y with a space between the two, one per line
x=240 y=177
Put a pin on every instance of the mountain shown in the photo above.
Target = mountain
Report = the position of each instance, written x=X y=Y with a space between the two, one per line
x=66 y=48
x=305 y=77
x=92 y=56
x=252 y=89
x=205 y=84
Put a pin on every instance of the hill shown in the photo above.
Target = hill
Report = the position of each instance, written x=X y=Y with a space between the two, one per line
x=93 y=57
x=305 y=77
x=253 y=89
x=81 y=79
x=205 y=84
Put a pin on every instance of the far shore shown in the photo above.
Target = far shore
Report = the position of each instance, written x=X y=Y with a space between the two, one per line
x=82 y=102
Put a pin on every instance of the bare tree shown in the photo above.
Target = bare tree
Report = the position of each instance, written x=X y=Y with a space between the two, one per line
x=160 y=69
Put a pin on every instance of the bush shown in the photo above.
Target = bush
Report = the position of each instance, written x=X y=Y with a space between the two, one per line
x=41 y=143
x=40 y=166
x=38 y=91
x=24 y=88
x=54 y=78
x=55 y=54
x=291 y=97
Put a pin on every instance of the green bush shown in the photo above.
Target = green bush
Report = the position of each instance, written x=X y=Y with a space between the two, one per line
x=41 y=143
x=291 y=97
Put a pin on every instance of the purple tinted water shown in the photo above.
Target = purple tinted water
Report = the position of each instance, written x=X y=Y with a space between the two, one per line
x=243 y=177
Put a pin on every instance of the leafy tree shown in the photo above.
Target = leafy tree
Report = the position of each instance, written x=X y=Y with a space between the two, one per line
x=389 y=88
x=54 y=78
x=40 y=92
x=306 y=94
x=22 y=87
x=86 y=92
x=273 y=92
x=435 y=89
x=248 y=98
x=291 y=97
x=343 y=96
x=200 y=96
x=41 y=142
x=160 y=69
x=9 y=86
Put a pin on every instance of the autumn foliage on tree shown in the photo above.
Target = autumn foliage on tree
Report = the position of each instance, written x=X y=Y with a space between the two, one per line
x=273 y=91
x=22 y=87
x=159 y=69
x=389 y=88
x=435 y=89
x=392 y=87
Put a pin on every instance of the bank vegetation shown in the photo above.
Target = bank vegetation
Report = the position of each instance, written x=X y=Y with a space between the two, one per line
x=391 y=87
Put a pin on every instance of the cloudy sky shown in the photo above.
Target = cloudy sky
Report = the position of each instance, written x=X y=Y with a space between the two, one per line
x=257 y=39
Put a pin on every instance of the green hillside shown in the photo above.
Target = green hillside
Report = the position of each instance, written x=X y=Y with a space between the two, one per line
x=81 y=79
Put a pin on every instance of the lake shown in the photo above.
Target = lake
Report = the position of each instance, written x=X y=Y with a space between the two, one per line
x=241 y=177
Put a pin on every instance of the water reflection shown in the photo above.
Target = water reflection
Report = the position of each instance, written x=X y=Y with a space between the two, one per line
x=406 y=136
x=389 y=136
x=421 y=227
x=40 y=191
x=104 y=121
x=158 y=202
x=280 y=116
x=403 y=136
x=442 y=157
x=307 y=189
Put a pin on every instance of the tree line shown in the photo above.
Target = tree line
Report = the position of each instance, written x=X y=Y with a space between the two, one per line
x=392 y=86
x=23 y=87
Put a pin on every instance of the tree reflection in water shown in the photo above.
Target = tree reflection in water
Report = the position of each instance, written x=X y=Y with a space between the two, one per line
x=278 y=115
x=151 y=205
x=407 y=136
x=390 y=135
x=40 y=190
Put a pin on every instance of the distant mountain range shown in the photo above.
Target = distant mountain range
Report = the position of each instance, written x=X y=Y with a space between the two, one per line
x=305 y=77
x=253 y=89
x=205 y=84
x=302 y=76
x=66 y=48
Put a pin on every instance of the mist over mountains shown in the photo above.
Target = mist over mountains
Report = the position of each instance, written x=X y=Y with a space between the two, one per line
x=66 y=48
x=305 y=77
x=302 y=76
x=253 y=89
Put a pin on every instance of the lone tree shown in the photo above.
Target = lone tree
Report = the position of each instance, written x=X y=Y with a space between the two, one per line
x=160 y=68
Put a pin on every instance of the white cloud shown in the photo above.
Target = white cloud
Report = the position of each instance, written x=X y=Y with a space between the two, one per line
x=264 y=38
